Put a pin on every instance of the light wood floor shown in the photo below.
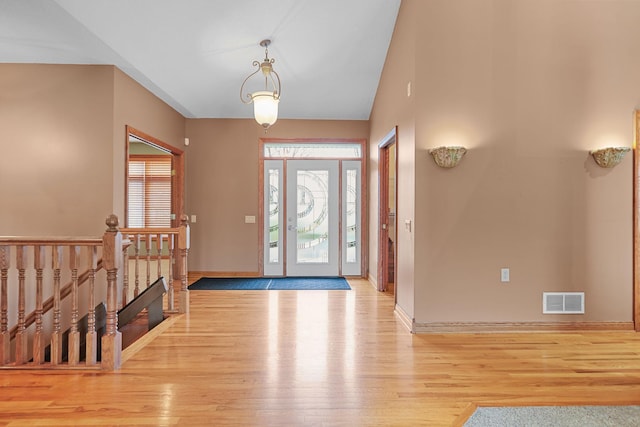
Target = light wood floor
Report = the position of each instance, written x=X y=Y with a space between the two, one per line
x=318 y=358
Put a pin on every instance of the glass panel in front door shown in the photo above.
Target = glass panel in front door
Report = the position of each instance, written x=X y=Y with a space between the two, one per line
x=312 y=218
x=312 y=212
x=273 y=247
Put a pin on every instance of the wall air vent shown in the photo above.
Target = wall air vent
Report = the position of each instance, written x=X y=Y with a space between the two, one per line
x=563 y=302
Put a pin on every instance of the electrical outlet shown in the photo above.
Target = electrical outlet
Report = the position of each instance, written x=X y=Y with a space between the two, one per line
x=504 y=275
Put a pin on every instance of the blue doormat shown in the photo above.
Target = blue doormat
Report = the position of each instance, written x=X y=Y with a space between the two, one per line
x=270 y=283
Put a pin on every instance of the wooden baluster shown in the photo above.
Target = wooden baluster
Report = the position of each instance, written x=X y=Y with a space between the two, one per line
x=170 y=292
x=56 y=333
x=112 y=251
x=74 y=334
x=183 y=246
x=92 y=341
x=159 y=245
x=136 y=246
x=38 y=337
x=5 y=337
x=148 y=249
x=21 y=336
x=125 y=276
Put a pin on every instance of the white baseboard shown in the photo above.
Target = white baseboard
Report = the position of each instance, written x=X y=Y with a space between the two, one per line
x=406 y=320
x=373 y=281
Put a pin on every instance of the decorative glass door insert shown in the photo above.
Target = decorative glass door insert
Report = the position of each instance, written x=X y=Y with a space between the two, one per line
x=273 y=173
x=351 y=214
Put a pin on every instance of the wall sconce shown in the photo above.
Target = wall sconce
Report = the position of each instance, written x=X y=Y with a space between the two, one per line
x=447 y=157
x=610 y=156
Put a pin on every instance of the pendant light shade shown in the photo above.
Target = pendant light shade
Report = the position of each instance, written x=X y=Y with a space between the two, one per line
x=265 y=108
x=265 y=102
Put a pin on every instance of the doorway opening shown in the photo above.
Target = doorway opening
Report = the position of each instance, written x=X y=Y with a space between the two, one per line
x=154 y=182
x=387 y=202
x=312 y=208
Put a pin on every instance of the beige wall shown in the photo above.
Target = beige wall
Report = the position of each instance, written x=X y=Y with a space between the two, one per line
x=62 y=129
x=223 y=185
x=529 y=87
x=137 y=107
x=393 y=107
x=56 y=134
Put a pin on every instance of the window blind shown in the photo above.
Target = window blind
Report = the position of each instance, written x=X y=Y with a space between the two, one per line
x=149 y=191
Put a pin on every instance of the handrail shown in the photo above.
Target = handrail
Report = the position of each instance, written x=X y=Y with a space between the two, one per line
x=65 y=291
x=154 y=230
x=50 y=241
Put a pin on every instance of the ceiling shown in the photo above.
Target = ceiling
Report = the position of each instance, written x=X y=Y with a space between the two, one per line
x=194 y=54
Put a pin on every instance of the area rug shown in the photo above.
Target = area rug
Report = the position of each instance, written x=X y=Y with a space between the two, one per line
x=556 y=416
x=270 y=283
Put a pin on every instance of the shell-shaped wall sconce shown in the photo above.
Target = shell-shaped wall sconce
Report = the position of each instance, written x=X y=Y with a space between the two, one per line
x=610 y=156
x=447 y=157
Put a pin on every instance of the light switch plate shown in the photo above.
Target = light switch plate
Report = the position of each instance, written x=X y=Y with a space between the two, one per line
x=249 y=219
x=504 y=275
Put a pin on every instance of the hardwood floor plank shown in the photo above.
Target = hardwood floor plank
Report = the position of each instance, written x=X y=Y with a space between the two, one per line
x=323 y=358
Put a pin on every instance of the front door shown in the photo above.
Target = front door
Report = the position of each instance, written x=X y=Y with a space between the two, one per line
x=312 y=218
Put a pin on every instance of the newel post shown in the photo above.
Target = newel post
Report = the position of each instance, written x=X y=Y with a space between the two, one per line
x=183 y=246
x=5 y=336
x=112 y=260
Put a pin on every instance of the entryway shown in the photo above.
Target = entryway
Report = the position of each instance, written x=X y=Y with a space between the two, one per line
x=387 y=247
x=312 y=209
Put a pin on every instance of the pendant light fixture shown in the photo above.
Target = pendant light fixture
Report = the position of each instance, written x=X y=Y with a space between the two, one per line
x=265 y=102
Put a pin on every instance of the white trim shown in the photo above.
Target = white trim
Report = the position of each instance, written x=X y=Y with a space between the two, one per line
x=405 y=319
x=373 y=280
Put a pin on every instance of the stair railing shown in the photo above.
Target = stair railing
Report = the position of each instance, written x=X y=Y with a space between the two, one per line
x=160 y=250
x=34 y=268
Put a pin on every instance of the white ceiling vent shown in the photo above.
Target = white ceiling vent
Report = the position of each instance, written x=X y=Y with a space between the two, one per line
x=563 y=302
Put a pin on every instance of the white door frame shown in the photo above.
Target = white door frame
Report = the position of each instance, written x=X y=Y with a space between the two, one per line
x=274 y=159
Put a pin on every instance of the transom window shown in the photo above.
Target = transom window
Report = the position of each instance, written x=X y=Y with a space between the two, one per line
x=312 y=150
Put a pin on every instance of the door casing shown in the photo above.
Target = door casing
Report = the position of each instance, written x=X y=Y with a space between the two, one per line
x=383 y=210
